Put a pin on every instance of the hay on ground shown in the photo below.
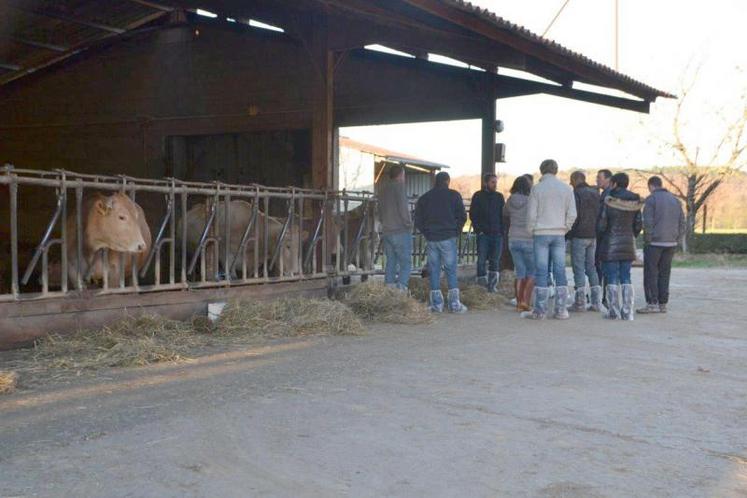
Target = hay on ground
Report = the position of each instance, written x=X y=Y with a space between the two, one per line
x=376 y=301
x=287 y=318
x=473 y=296
x=8 y=381
x=132 y=341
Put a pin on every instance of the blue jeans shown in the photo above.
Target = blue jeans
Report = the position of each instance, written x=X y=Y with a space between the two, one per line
x=442 y=253
x=522 y=252
x=617 y=272
x=582 y=260
x=398 y=253
x=549 y=248
x=488 y=251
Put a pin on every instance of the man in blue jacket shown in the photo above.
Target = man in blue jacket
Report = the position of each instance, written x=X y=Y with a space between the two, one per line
x=440 y=216
x=486 y=213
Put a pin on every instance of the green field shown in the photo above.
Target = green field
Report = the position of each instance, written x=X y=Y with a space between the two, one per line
x=710 y=261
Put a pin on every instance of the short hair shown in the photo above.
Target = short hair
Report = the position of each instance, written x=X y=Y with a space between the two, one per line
x=521 y=185
x=549 y=166
x=655 y=181
x=487 y=177
x=442 y=179
x=621 y=180
x=578 y=176
x=605 y=173
x=395 y=170
x=529 y=177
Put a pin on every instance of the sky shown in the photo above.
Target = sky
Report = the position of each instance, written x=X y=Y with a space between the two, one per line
x=667 y=44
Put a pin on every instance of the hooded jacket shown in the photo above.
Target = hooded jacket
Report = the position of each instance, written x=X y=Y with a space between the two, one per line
x=619 y=224
x=515 y=214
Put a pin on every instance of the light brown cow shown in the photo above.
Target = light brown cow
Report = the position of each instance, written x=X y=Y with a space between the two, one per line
x=241 y=214
x=112 y=222
x=369 y=238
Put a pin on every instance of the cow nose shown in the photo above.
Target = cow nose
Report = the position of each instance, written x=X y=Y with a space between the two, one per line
x=141 y=247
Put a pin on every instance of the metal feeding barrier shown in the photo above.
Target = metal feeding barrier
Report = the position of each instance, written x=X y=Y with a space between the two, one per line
x=199 y=235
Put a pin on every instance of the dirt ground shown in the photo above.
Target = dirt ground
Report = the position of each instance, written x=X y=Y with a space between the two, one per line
x=479 y=405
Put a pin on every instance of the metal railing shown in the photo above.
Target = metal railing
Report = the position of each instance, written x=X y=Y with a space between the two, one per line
x=201 y=235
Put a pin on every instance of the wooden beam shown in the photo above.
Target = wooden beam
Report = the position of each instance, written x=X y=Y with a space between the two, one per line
x=488 y=135
x=10 y=67
x=485 y=28
x=506 y=87
x=322 y=113
x=38 y=44
x=154 y=5
x=71 y=20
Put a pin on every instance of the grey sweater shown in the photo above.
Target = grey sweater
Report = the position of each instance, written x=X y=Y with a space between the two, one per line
x=516 y=214
x=394 y=210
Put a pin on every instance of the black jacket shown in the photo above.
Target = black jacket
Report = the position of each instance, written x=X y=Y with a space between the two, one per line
x=486 y=212
x=440 y=214
x=619 y=224
x=587 y=209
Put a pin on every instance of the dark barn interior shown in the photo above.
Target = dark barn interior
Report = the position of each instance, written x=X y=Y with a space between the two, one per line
x=153 y=89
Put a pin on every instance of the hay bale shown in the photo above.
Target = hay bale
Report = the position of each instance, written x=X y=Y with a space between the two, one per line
x=477 y=297
x=132 y=341
x=473 y=296
x=8 y=381
x=287 y=318
x=376 y=301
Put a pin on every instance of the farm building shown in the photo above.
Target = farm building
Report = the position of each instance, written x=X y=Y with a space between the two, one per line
x=190 y=104
x=364 y=167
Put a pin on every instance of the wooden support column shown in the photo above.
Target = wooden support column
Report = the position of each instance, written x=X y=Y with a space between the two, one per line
x=488 y=137
x=322 y=120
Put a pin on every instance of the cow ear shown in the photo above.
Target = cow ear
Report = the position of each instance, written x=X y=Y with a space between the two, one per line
x=101 y=206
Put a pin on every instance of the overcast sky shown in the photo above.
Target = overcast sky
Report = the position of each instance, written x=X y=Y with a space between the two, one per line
x=661 y=42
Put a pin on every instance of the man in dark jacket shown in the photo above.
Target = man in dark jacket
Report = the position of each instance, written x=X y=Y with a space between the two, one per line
x=663 y=229
x=440 y=217
x=603 y=185
x=486 y=213
x=618 y=226
x=583 y=242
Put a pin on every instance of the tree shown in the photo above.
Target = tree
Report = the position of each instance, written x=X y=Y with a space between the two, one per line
x=697 y=179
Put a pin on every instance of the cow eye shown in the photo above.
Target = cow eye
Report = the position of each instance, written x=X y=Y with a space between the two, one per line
x=121 y=217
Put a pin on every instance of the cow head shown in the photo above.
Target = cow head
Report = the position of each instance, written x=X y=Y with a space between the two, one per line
x=114 y=223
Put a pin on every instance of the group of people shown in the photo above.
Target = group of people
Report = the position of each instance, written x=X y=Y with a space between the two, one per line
x=600 y=224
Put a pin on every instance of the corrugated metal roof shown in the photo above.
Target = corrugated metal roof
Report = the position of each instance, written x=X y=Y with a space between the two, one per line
x=637 y=87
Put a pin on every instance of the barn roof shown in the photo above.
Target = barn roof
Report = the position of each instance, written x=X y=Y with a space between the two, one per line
x=37 y=33
x=390 y=155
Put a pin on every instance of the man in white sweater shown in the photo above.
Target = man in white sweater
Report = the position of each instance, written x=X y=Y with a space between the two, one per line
x=551 y=213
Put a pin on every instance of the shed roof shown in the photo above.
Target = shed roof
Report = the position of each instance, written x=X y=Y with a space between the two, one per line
x=37 y=33
x=390 y=155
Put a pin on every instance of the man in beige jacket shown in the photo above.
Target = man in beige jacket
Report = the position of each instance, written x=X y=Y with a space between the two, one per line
x=551 y=213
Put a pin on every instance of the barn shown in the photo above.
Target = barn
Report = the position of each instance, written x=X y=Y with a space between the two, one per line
x=196 y=105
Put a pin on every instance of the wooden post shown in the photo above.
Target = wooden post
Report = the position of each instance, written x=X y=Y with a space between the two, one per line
x=322 y=126
x=488 y=137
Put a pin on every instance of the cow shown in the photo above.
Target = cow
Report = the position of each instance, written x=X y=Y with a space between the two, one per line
x=241 y=215
x=368 y=241
x=112 y=222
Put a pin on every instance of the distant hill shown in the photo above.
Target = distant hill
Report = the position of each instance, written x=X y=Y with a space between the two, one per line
x=727 y=208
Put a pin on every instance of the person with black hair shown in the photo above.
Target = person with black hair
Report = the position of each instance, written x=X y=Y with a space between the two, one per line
x=583 y=241
x=520 y=241
x=603 y=185
x=663 y=229
x=440 y=217
x=618 y=226
x=486 y=215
